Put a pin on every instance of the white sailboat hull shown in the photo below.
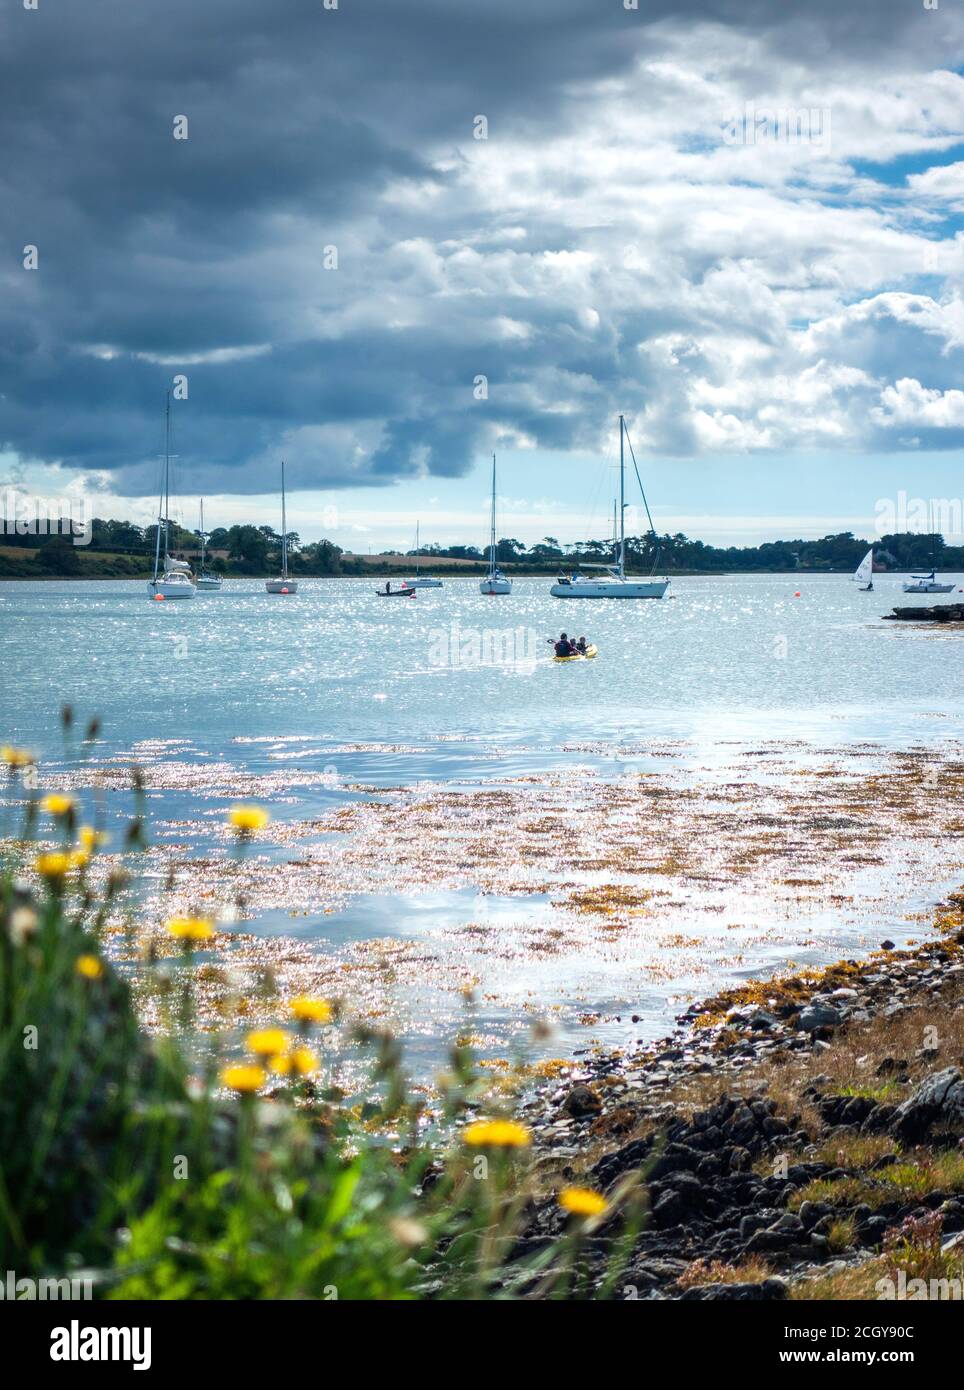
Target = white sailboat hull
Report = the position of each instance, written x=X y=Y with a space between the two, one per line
x=170 y=587
x=208 y=585
x=928 y=586
x=281 y=586
x=610 y=588
x=424 y=583
x=495 y=586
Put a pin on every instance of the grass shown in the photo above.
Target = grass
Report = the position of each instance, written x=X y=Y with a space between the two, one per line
x=915 y=1177
x=912 y=1252
x=749 y=1270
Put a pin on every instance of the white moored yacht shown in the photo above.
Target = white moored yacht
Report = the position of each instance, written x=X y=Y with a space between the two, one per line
x=421 y=581
x=174 y=580
x=495 y=581
x=926 y=584
x=614 y=584
x=282 y=585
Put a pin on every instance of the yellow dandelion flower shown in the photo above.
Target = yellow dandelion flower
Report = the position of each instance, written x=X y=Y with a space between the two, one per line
x=267 y=1042
x=91 y=839
x=248 y=818
x=244 y=1078
x=281 y=1066
x=16 y=757
x=52 y=866
x=582 y=1201
x=303 y=1060
x=57 y=804
x=190 y=928
x=311 y=1010
x=78 y=858
x=497 y=1134
x=88 y=966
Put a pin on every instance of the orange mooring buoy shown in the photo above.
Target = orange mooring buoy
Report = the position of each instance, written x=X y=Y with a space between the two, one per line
x=158 y=598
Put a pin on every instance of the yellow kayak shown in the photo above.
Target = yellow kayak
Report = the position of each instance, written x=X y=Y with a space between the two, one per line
x=589 y=654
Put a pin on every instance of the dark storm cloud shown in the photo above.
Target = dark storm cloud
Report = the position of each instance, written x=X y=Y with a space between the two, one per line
x=155 y=251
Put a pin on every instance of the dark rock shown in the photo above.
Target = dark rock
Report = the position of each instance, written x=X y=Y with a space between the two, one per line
x=872 y=1231
x=769 y=1242
x=937 y=1103
x=817 y=1016
x=788 y=1224
x=742 y=1293
x=813 y=1212
x=580 y=1102
x=613 y=1166
x=891 y=1065
x=669 y=1209
x=749 y=1225
x=651 y=1273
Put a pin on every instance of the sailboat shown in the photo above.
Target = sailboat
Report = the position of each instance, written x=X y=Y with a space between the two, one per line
x=615 y=585
x=495 y=581
x=421 y=581
x=206 y=582
x=927 y=583
x=282 y=585
x=175 y=580
x=864 y=573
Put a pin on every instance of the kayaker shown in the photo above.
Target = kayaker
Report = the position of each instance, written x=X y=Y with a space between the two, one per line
x=564 y=647
x=582 y=646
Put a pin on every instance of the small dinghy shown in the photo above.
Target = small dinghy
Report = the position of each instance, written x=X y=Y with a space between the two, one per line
x=388 y=592
x=864 y=573
x=587 y=655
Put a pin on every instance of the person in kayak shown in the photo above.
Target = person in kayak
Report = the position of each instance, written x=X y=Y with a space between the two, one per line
x=564 y=647
x=582 y=646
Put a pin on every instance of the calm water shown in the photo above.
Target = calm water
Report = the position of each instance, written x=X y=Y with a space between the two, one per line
x=723 y=657
x=337 y=678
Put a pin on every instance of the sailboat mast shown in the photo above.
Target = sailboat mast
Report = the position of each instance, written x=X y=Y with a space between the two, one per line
x=416 y=551
x=284 y=526
x=157 y=538
x=622 y=502
x=167 y=472
x=201 y=529
x=492 y=531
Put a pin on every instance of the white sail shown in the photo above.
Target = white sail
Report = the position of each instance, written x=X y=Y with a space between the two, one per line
x=864 y=572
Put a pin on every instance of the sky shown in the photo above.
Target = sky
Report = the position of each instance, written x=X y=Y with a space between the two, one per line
x=396 y=236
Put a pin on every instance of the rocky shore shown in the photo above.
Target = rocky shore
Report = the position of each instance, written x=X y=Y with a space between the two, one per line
x=796 y=1138
x=936 y=613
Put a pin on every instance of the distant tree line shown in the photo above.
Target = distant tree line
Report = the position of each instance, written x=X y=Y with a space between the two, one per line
x=842 y=551
x=121 y=548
